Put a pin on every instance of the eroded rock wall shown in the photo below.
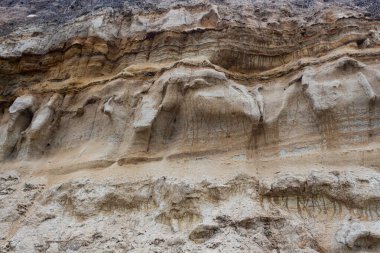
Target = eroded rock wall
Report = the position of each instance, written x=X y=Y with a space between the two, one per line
x=192 y=126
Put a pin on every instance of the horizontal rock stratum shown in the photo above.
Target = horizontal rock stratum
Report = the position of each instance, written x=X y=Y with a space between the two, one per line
x=190 y=126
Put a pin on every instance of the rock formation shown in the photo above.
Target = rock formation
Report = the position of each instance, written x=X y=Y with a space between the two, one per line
x=189 y=126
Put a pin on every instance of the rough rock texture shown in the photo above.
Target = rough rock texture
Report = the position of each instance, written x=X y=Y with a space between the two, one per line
x=189 y=126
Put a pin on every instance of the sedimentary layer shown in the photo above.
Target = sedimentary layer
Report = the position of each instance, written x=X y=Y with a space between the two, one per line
x=221 y=126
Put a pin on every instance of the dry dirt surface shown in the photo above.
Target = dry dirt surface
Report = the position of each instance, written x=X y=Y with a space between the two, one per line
x=190 y=126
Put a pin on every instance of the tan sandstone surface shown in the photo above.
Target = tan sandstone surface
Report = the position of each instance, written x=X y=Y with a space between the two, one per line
x=190 y=126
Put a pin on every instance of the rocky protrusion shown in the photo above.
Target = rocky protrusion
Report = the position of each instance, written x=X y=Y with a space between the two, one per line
x=21 y=115
x=37 y=135
x=200 y=98
x=367 y=87
x=359 y=235
x=107 y=107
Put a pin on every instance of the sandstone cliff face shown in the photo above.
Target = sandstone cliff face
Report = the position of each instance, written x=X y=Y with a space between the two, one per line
x=189 y=126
